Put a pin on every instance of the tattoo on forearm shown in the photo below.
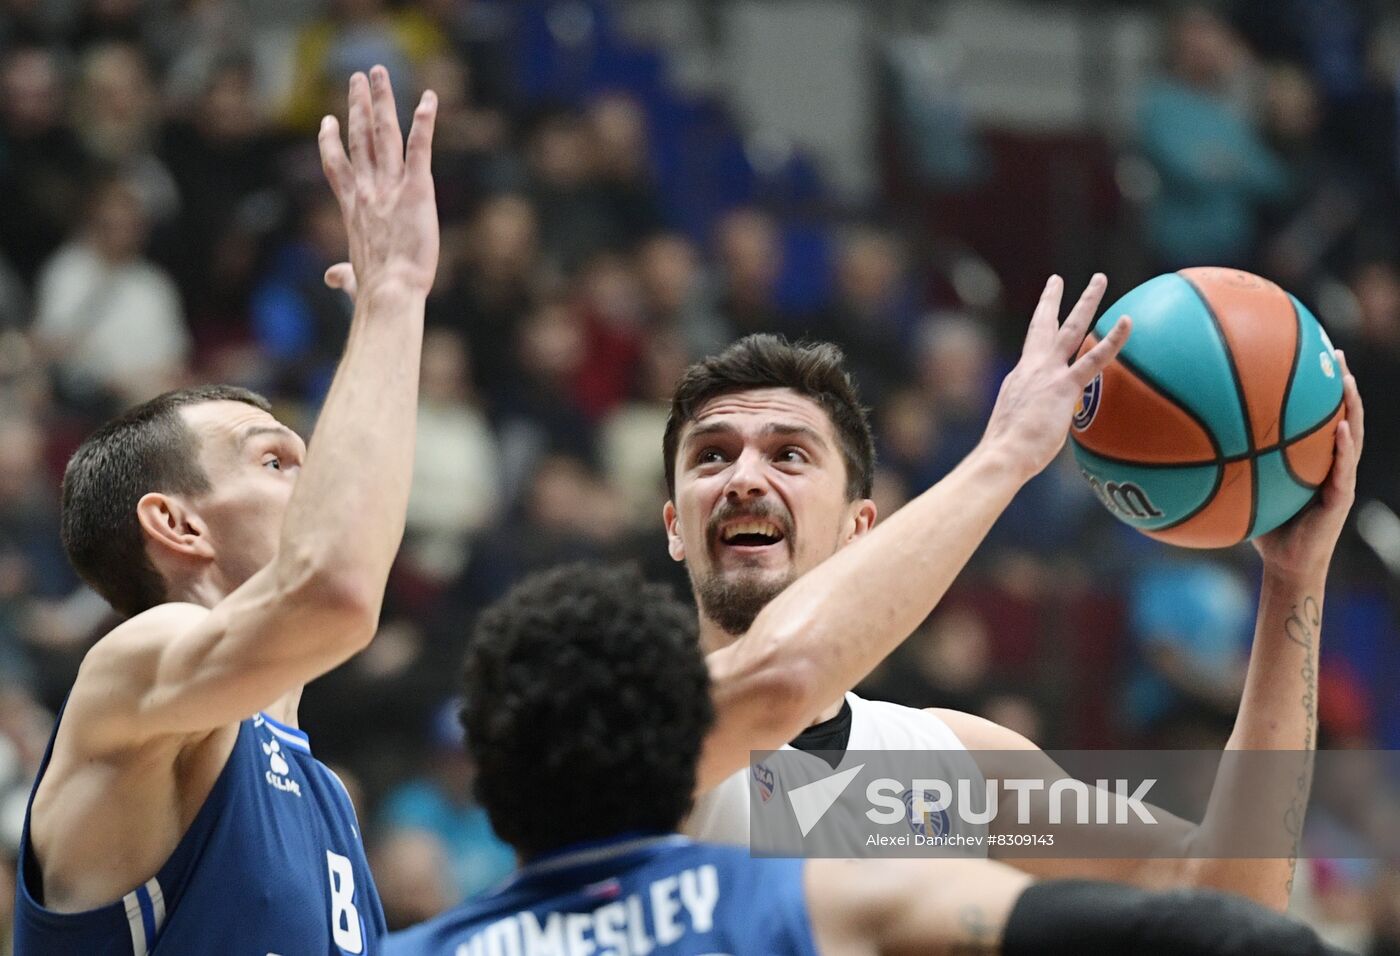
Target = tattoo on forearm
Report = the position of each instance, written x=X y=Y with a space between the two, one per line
x=979 y=937
x=1302 y=629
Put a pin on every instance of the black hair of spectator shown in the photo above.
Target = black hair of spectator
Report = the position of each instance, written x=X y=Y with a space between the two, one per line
x=815 y=370
x=148 y=448
x=587 y=700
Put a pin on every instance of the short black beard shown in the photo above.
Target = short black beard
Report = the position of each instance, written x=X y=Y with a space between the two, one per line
x=733 y=605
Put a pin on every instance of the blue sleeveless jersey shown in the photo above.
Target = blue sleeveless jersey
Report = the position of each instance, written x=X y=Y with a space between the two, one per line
x=649 y=896
x=273 y=865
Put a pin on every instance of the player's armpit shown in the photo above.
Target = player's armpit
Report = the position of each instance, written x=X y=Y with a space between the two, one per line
x=1156 y=856
x=181 y=669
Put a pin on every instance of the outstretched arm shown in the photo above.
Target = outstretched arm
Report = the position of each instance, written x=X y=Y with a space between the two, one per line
x=182 y=669
x=1278 y=713
x=971 y=907
x=831 y=627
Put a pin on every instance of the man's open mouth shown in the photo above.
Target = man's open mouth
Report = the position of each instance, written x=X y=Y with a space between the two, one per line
x=750 y=533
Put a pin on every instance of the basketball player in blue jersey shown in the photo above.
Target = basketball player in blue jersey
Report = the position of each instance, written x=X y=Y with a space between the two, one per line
x=179 y=810
x=587 y=703
x=769 y=461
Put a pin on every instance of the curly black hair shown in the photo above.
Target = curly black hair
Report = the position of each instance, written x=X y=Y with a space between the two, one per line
x=587 y=699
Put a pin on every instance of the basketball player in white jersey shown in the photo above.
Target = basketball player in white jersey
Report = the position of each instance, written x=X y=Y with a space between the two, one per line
x=769 y=462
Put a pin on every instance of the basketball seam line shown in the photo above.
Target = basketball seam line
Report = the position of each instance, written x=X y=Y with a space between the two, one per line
x=1161 y=390
x=1240 y=395
x=1283 y=412
x=1205 y=502
x=1223 y=459
x=1288 y=386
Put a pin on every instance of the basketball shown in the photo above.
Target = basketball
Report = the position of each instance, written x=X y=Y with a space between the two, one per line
x=1216 y=421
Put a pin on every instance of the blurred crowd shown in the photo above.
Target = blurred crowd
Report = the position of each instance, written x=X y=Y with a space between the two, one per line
x=163 y=220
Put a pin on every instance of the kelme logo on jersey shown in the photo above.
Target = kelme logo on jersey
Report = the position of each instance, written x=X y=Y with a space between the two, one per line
x=278 y=768
x=933 y=823
x=765 y=780
x=1088 y=405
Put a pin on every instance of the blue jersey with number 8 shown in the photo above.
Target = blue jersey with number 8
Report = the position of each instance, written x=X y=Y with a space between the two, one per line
x=272 y=864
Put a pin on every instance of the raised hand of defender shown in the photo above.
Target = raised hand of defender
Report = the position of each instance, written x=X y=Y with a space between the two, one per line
x=385 y=194
x=1036 y=403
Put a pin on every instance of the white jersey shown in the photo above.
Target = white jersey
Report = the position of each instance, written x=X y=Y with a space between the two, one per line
x=723 y=814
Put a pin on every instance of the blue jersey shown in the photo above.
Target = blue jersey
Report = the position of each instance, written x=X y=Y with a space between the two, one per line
x=663 y=896
x=272 y=864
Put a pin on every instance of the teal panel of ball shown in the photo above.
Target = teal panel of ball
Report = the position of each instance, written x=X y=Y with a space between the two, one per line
x=1148 y=498
x=1316 y=389
x=1279 y=496
x=1176 y=347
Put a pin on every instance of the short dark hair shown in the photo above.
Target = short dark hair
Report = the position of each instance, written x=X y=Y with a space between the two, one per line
x=812 y=369
x=585 y=683
x=148 y=448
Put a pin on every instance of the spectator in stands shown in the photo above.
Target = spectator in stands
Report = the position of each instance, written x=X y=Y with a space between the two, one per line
x=874 y=312
x=223 y=163
x=750 y=260
x=619 y=131
x=472 y=154
x=1191 y=627
x=299 y=322
x=456 y=472
x=354 y=36
x=116 y=113
x=958 y=379
x=411 y=873
x=43 y=168
x=486 y=295
x=629 y=437
x=1215 y=170
x=1326 y=197
x=575 y=215
x=441 y=802
x=32 y=564
x=908 y=435
x=1375 y=355
x=609 y=302
x=26 y=22
x=537 y=412
x=674 y=293
x=106 y=316
x=479 y=33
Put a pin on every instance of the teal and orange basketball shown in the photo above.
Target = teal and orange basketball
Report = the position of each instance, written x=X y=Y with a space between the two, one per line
x=1216 y=421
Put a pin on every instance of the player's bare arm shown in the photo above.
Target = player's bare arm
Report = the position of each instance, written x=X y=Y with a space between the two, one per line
x=1278 y=710
x=967 y=907
x=833 y=625
x=156 y=705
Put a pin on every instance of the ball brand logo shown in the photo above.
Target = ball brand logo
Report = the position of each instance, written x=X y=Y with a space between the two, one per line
x=1325 y=360
x=1124 y=499
x=1088 y=405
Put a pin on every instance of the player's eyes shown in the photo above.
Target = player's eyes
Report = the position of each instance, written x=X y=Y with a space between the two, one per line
x=792 y=454
x=273 y=462
x=709 y=456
